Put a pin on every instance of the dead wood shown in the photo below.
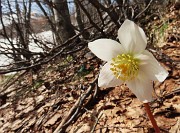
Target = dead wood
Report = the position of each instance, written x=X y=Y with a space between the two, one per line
x=75 y=109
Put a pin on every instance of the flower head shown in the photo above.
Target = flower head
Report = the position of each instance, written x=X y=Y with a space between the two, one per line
x=128 y=62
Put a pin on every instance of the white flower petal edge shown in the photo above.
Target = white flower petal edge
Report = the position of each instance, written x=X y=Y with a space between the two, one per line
x=106 y=78
x=141 y=87
x=105 y=49
x=152 y=69
x=132 y=37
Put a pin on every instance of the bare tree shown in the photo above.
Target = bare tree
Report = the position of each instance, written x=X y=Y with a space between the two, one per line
x=113 y=15
x=0 y=9
x=80 y=22
x=95 y=19
x=62 y=19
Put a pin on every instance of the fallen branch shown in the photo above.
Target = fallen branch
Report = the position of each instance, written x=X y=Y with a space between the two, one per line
x=11 y=81
x=74 y=110
x=40 y=62
x=97 y=120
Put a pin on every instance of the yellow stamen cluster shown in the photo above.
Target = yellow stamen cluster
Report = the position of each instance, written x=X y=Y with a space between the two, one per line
x=125 y=67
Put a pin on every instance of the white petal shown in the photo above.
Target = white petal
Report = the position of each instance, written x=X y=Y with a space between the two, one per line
x=152 y=68
x=141 y=87
x=105 y=49
x=132 y=37
x=106 y=77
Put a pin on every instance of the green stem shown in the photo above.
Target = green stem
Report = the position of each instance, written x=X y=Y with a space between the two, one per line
x=151 y=117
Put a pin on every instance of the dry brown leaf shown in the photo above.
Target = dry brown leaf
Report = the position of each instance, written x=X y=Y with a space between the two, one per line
x=85 y=128
x=176 y=127
x=16 y=124
x=165 y=123
x=53 y=119
x=39 y=98
x=132 y=123
x=91 y=75
x=134 y=112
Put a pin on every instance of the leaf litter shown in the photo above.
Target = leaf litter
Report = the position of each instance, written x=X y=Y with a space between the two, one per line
x=44 y=98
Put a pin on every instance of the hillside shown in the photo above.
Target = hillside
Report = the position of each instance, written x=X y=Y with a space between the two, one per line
x=65 y=91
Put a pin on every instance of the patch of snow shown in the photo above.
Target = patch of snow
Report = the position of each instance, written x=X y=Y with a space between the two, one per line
x=4 y=60
x=6 y=21
x=46 y=36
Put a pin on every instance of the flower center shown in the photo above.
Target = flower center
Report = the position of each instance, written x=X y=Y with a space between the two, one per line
x=125 y=66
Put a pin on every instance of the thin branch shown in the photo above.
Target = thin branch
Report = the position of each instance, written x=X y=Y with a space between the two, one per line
x=97 y=120
x=144 y=9
x=38 y=63
x=50 y=56
x=112 y=14
x=89 y=17
x=74 y=110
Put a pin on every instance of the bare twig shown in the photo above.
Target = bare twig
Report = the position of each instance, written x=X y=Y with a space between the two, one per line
x=112 y=14
x=11 y=81
x=89 y=17
x=87 y=104
x=97 y=120
x=74 y=110
x=40 y=62
x=144 y=9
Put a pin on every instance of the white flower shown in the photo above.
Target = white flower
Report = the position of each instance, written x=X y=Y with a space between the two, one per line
x=128 y=62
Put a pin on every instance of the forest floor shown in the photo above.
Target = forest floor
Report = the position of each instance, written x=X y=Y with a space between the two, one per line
x=65 y=91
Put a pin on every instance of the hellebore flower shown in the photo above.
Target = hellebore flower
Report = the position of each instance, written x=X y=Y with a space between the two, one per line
x=128 y=62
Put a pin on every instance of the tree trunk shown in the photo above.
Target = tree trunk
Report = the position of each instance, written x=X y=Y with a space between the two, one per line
x=79 y=22
x=62 y=19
